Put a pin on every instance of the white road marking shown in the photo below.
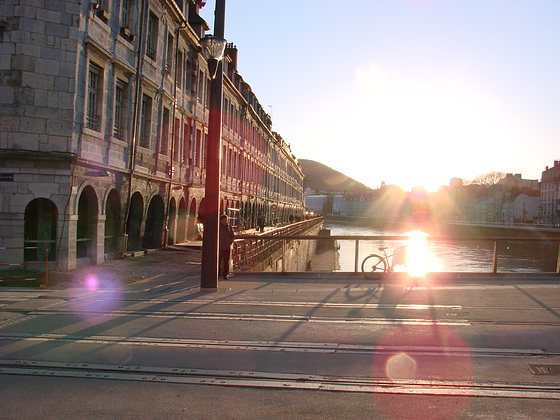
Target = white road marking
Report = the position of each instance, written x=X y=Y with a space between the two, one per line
x=278 y=346
x=279 y=380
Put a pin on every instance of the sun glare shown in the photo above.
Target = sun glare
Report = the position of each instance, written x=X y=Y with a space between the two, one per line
x=417 y=253
x=435 y=108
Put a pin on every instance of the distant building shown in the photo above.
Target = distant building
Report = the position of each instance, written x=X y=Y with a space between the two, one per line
x=337 y=201
x=511 y=200
x=526 y=208
x=517 y=199
x=386 y=202
x=316 y=203
x=355 y=205
x=550 y=195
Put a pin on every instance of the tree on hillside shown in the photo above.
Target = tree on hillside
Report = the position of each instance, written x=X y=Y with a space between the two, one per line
x=488 y=179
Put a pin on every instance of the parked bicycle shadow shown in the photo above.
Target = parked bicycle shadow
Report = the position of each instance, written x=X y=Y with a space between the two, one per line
x=390 y=297
x=395 y=292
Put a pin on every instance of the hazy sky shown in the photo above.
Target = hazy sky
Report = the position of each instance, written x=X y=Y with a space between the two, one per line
x=408 y=92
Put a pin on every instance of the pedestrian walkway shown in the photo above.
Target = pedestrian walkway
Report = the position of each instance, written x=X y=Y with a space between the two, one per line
x=182 y=262
x=198 y=243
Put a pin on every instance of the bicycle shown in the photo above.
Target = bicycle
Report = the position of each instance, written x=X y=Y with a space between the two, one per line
x=375 y=266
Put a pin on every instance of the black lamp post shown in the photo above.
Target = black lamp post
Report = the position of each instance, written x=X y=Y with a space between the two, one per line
x=213 y=49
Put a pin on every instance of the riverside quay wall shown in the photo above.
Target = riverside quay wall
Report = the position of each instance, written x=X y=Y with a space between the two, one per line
x=274 y=251
x=434 y=227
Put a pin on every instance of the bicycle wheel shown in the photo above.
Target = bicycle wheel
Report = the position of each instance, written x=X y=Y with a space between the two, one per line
x=374 y=266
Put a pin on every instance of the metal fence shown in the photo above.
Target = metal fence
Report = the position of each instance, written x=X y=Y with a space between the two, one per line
x=7 y=276
x=278 y=241
x=251 y=250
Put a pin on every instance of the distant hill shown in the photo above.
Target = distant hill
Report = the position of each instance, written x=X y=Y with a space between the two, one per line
x=322 y=178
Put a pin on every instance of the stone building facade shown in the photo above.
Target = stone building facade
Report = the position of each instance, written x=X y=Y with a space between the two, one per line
x=550 y=195
x=103 y=127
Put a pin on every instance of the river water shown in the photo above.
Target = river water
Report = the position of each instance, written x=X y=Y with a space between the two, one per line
x=463 y=256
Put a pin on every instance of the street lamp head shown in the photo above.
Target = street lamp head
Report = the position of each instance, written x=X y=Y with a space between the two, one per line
x=213 y=47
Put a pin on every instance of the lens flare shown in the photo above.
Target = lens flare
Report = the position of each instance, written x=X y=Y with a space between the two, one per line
x=417 y=253
x=91 y=282
x=401 y=366
x=413 y=355
x=102 y=296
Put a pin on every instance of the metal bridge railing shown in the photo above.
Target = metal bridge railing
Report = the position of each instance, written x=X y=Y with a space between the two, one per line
x=250 y=250
x=279 y=240
x=28 y=263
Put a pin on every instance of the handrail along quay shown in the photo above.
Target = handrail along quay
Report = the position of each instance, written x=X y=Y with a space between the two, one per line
x=24 y=264
x=429 y=238
x=252 y=249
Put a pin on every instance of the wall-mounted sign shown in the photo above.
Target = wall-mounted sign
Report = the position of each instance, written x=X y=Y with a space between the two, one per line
x=6 y=177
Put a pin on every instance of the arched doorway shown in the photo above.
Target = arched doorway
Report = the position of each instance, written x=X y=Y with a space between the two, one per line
x=172 y=222
x=192 y=231
x=154 y=224
x=202 y=213
x=40 y=230
x=134 y=222
x=112 y=223
x=182 y=221
x=201 y=210
x=86 y=226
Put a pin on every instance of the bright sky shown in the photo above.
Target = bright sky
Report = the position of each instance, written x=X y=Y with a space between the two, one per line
x=410 y=92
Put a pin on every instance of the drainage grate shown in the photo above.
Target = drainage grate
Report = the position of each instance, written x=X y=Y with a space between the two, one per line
x=545 y=369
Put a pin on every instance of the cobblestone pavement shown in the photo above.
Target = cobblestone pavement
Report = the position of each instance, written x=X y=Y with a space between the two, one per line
x=172 y=263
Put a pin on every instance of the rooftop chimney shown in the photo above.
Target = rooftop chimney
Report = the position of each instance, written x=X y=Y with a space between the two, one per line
x=231 y=52
x=198 y=24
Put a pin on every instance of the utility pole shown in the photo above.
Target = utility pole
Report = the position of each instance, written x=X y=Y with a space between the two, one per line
x=211 y=217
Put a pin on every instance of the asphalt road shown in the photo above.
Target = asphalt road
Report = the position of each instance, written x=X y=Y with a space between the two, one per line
x=111 y=342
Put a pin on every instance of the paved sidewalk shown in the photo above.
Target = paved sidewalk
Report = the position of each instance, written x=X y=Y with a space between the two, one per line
x=183 y=263
x=173 y=263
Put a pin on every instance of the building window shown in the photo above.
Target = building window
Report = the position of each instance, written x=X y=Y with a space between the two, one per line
x=93 y=97
x=101 y=8
x=224 y=157
x=164 y=146
x=169 y=60
x=187 y=144
x=190 y=75
x=179 y=80
x=102 y=4
x=206 y=92
x=152 y=37
x=176 y=139
x=197 y=149
x=119 y=127
x=203 y=152
x=146 y=122
x=125 y=12
x=200 y=92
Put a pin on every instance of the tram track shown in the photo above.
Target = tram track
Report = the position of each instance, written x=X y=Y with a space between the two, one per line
x=454 y=316
x=320 y=305
x=279 y=346
x=224 y=316
x=84 y=329
x=277 y=380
